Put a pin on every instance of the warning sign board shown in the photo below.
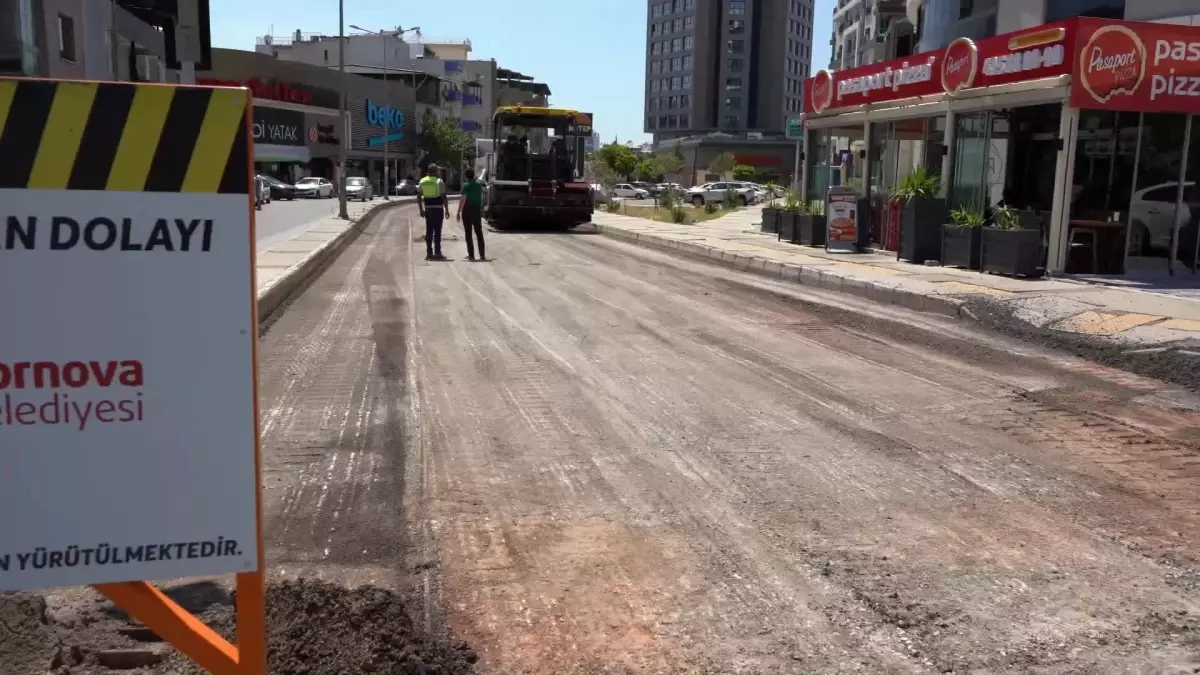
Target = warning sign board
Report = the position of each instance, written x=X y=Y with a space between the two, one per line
x=128 y=429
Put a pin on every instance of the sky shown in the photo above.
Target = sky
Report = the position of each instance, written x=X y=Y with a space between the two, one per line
x=591 y=54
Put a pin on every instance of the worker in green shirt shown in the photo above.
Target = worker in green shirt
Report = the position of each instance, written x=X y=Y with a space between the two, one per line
x=470 y=211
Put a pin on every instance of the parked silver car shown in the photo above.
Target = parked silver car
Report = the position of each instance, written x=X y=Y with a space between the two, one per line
x=715 y=192
x=359 y=188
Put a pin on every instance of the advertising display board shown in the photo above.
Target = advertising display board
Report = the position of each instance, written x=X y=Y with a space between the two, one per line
x=127 y=395
x=841 y=220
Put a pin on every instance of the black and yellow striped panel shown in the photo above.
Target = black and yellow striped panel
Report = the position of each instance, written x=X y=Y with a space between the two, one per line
x=127 y=137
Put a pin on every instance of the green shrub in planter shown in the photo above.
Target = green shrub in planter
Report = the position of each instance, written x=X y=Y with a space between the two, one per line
x=922 y=216
x=732 y=200
x=810 y=224
x=678 y=215
x=613 y=206
x=961 y=238
x=711 y=207
x=1006 y=248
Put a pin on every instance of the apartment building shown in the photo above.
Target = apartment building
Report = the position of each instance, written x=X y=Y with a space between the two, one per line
x=732 y=66
x=73 y=39
x=449 y=83
x=869 y=31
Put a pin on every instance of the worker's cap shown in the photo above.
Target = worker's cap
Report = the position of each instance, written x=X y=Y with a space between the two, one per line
x=432 y=167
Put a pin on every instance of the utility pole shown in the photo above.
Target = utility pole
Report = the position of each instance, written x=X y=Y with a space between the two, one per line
x=384 y=35
x=345 y=125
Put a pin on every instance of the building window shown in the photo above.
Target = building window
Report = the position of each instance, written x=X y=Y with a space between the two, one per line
x=965 y=8
x=737 y=46
x=677 y=25
x=733 y=83
x=737 y=6
x=685 y=100
x=737 y=26
x=662 y=121
x=733 y=102
x=676 y=45
x=683 y=121
x=650 y=122
x=687 y=61
x=66 y=38
x=687 y=81
x=672 y=121
x=734 y=64
x=675 y=63
x=687 y=42
x=675 y=83
x=689 y=22
x=733 y=121
x=689 y=4
x=674 y=102
x=653 y=29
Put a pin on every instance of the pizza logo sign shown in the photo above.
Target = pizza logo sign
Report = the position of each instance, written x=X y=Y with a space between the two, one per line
x=959 y=65
x=822 y=90
x=1112 y=62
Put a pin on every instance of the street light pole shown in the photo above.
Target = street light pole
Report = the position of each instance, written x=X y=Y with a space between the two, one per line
x=387 y=125
x=345 y=127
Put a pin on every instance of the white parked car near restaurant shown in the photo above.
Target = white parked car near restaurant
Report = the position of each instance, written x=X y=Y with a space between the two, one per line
x=715 y=192
x=312 y=186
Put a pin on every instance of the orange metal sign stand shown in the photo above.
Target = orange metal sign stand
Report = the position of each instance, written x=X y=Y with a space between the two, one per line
x=164 y=616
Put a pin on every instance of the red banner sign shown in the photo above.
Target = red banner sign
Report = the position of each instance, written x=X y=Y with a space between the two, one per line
x=1137 y=67
x=964 y=64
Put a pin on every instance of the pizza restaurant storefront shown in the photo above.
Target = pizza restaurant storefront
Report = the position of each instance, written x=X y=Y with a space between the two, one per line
x=1088 y=128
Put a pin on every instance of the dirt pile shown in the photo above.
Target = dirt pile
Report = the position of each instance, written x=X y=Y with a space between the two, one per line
x=314 y=627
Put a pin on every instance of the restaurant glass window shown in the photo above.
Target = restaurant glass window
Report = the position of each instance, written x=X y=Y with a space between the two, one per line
x=897 y=149
x=819 y=156
x=970 y=161
x=1126 y=190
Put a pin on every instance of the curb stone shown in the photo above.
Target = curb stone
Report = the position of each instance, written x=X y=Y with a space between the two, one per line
x=807 y=275
x=282 y=288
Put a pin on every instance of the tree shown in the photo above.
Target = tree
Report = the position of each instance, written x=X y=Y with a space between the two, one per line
x=744 y=172
x=603 y=174
x=721 y=164
x=619 y=158
x=671 y=163
x=442 y=141
x=649 y=169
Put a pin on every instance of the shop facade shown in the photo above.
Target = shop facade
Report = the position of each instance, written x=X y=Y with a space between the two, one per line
x=1086 y=127
x=298 y=128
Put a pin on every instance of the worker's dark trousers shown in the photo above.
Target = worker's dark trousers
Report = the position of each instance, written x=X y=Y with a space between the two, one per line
x=472 y=218
x=433 y=230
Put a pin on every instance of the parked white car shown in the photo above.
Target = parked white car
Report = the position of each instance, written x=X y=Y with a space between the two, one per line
x=628 y=191
x=1151 y=212
x=715 y=192
x=312 y=186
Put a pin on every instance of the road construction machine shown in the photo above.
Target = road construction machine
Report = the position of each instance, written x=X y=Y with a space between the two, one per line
x=535 y=174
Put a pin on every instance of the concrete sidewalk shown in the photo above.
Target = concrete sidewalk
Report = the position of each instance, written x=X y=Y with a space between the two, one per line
x=1135 y=318
x=286 y=265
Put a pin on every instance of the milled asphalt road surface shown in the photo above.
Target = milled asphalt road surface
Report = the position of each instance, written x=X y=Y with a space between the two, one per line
x=593 y=458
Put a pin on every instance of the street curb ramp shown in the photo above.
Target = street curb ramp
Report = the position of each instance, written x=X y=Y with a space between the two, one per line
x=287 y=285
x=808 y=275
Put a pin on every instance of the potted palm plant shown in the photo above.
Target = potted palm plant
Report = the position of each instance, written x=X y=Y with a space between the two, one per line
x=960 y=238
x=810 y=226
x=789 y=217
x=770 y=212
x=1007 y=248
x=922 y=214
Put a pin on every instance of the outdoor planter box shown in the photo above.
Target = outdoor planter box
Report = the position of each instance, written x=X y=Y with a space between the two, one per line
x=810 y=230
x=921 y=221
x=789 y=226
x=770 y=220
x=960 y=246
x=1014 y=252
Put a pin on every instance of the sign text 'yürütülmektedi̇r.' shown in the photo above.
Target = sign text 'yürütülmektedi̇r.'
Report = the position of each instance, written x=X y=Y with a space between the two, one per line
x=103 y=233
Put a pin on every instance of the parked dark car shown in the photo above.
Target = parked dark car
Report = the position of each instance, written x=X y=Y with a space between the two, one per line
x=280 y=189
x=406 y=187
